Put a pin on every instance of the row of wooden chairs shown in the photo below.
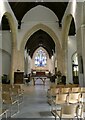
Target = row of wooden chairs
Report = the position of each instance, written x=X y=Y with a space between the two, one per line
x=12 y=97
x=54 y=91
x=53 y=85
x=10 y=104
x=68 y=101
x=69 y=111
x=14 y=90
x=71 y=98
x=67 y=98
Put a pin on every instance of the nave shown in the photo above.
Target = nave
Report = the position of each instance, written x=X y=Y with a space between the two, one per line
x=35 y=102
x=62 y=99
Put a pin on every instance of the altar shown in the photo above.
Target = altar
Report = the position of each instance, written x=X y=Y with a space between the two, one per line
x=42 y=75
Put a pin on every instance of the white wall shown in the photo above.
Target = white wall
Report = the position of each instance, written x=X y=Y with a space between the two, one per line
x=7 y=41
x=84 y=12
x=27 y=63
x=72 y=48
x=6 y=51
x=40 y=13
x=37 y=15
x=6 y=62
x=0 y=54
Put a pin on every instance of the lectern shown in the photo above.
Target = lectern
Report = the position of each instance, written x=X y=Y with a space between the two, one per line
x=18 y=77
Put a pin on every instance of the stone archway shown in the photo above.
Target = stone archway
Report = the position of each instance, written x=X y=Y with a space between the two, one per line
x=65 y=32
x=14 y=44
x=53 y=36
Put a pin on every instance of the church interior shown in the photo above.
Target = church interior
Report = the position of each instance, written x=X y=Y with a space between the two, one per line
x=42 y=59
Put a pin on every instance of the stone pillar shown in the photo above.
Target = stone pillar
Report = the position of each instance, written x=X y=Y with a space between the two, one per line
x=21 y=61
x=81 y=54
x=29 y=64
x=61 y=62
x=83 y=51
x=0 y=56
x=13 y=64
x=17 y=63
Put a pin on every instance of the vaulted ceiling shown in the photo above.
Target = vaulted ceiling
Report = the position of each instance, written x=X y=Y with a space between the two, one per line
x=20 y=8
x=40 y=38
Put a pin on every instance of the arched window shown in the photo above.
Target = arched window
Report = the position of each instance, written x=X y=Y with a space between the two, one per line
x=40 y=58
x=75 y=68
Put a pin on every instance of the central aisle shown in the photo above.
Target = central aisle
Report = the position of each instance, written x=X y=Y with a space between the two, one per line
x=35 y=102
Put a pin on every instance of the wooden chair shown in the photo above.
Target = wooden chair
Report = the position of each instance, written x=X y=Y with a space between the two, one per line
x=74 y=98
x=52 y=94
x=6 y=87
x=59 y=100
x=65 y=90
x=82 y=89
x=17 y=92
x=67 y=111
x=9 y=102
x=83 y=113
x=3 y=113
x=75 y=89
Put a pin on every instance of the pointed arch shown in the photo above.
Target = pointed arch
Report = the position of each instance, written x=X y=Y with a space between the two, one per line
x=58 y=49
x=14 y=43
x=36 y=28
x=66 y=28
x=12 y=27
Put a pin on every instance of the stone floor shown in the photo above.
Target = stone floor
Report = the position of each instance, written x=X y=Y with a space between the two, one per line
x=35 y=106
x=35 y=102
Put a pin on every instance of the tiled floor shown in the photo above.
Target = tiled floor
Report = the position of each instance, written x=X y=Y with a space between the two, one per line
x=35 y=102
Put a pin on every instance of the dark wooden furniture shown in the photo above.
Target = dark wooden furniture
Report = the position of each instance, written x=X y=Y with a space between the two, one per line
x=18 y=77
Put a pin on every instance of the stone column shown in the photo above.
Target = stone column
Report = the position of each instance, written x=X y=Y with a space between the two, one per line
x=83 y=51
x=21 y=61
x=17 y=63
x=61 y=61
x=13 y=64
x=0 y=56
x=81 y=54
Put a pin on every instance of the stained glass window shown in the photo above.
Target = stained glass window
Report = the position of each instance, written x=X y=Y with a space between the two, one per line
x=40 y=59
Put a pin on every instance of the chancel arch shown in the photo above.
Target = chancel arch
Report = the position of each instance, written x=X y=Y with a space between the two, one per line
x=53 y=36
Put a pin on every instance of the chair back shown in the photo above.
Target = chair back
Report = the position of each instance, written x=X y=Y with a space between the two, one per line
x=6 y=98
x=69 y=109
x=75 y=89
x=82 y=90
x=65 y=90
x=61 y=97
